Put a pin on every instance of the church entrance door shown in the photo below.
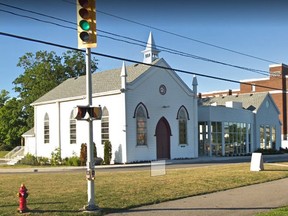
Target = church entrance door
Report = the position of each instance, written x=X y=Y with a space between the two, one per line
x=163 y=133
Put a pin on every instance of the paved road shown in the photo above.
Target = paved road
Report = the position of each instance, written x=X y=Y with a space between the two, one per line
x=244 y=201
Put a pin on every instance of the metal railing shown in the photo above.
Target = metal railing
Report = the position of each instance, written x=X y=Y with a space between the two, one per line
x=17 y=151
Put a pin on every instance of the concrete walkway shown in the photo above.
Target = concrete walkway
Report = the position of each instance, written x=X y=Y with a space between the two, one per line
x=244 y=201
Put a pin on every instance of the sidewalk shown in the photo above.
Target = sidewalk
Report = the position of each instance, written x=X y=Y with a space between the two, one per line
x=244 y=201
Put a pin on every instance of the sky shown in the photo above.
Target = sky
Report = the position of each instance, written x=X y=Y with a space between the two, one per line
x=216 y=30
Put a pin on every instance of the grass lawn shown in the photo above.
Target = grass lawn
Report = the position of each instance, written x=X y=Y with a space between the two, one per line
x=3 y=153
x=278 y=212
x=66 y=193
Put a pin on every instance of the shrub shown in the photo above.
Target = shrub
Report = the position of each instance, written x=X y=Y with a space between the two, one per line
x=29 y=159
x=268 y=151
x=43 y=161
x=284 y=150
x=107 y=152
x=72 y=161
x=56 y=157
x=83 y=153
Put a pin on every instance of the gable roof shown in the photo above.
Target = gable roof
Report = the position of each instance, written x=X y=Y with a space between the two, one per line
x=101 y=82
x=29 y=133
x=250 y=102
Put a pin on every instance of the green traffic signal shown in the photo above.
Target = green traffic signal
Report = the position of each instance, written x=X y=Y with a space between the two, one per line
x=84 y=25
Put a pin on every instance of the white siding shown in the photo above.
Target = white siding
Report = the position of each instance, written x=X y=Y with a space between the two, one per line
x=147 y=92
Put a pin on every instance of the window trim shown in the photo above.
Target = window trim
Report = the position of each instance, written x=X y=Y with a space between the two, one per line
x=182 y=121
x=46 y=129
x=105 y=117
x=72 y=122
x=143 y=122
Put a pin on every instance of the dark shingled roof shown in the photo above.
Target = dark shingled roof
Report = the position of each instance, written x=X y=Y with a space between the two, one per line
x=101 y=82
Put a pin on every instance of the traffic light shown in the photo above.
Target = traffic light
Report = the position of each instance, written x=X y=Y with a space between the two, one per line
x=87 y=113
x=86 y=23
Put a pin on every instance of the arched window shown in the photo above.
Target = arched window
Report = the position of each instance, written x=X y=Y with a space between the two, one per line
x=73 y=129
x=46 y=129
x=141 y=122
x=182 y=123
x=105 y=125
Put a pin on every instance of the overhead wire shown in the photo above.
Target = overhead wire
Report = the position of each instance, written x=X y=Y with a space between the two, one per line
x=178 y=35
x=139 y=43
x=136 y=62
x=188 y=38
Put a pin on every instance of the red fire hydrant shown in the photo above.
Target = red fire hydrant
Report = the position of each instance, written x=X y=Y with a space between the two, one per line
x=23 y=194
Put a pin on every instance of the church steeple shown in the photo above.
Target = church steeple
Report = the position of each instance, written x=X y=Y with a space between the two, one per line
x=151 y=52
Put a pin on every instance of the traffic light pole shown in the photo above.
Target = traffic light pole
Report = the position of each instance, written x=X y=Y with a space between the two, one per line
x=90 y=173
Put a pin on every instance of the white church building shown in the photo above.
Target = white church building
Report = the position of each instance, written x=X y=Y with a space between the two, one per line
x=149 y=113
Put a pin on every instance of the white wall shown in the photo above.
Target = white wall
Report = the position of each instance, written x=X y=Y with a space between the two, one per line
x=268 y=115
x=122 y=125
x=62 y=138
x=29 y=145
x=147 y=92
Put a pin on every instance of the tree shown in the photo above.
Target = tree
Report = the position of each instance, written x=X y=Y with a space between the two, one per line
x=107 y=152
x=12 y=124
x=4 y=96
x=43 y=71
x=83 y=153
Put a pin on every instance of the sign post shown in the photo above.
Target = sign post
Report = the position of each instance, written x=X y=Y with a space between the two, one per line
x=90 y=154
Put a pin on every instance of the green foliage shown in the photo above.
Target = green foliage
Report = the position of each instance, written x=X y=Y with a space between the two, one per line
x=72 y=161
x=29 y=159
x=12 y=123
x=56 y=157
x=107 y=152
x=4 y=96
x=83 y=154
x=43 y=71
x=43 y=161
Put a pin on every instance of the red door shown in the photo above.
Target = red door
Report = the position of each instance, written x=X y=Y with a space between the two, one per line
x=163 y=133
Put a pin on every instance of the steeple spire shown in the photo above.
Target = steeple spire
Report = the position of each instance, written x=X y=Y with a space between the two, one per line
x=123 y=76
x=151 y=52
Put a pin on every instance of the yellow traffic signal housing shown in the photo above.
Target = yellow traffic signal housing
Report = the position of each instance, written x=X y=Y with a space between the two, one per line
x=86 y=23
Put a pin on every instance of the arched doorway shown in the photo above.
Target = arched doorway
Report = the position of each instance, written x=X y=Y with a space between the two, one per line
x=163 y=133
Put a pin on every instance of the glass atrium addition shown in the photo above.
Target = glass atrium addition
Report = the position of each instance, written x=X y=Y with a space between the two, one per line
x=224 y=138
